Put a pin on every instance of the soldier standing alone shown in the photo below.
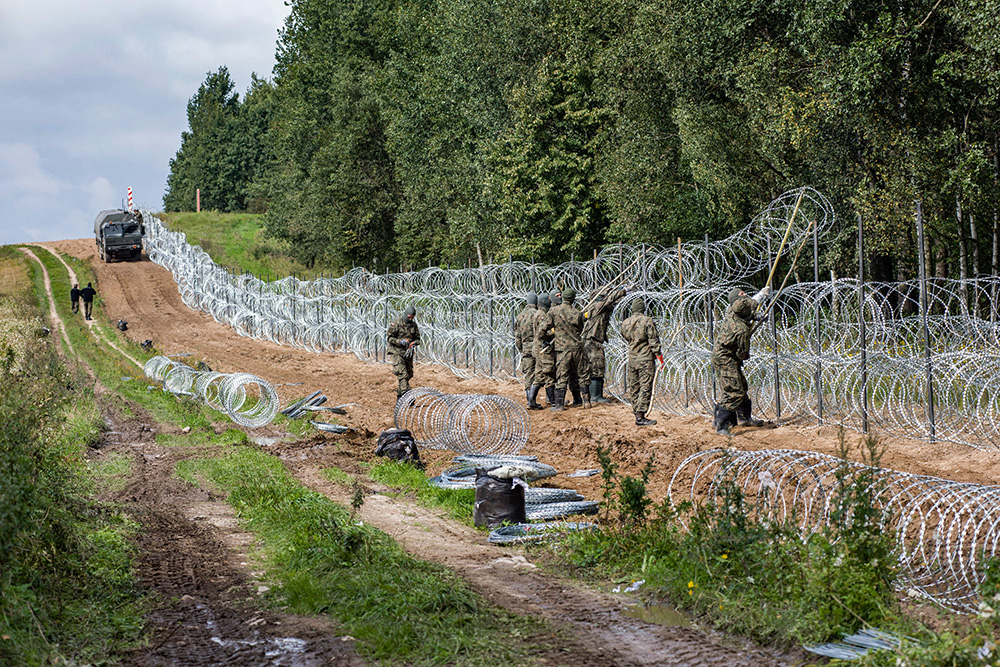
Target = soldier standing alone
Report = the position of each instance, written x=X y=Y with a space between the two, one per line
x=403 y=338
x=524 y=340
x=731 y=349
x=595 y=335
x=639 y=331
x=565 y=324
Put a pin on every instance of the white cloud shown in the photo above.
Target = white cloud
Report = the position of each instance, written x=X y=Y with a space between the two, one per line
x=93 y=98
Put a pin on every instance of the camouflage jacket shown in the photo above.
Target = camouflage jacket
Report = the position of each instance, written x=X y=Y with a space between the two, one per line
x=402 y=328
x=541 y=340
x=639 y=331
x=599 y=313
x=524 y=330
x=564 y=326
x=732 y=337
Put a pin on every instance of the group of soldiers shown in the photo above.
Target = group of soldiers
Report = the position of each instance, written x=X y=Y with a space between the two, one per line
x=562 y=349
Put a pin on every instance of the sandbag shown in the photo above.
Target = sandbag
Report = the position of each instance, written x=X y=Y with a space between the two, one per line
x=498 y=501
x=398 y=444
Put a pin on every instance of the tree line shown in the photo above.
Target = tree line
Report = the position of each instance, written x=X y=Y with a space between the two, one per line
x=408 y=132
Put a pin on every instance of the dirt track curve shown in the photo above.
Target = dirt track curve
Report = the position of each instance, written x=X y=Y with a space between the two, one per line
x=145 y=295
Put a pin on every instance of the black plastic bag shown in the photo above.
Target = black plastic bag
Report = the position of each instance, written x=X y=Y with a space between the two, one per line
x=498 y=501
x=398 y=444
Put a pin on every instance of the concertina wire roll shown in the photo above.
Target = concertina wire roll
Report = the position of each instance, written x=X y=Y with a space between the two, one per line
x=466 y=319
x=945 y=531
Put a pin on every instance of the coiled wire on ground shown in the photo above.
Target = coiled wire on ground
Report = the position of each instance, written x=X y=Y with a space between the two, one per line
x=525 y=533
x=464 y=423
x=466 y=318
x=945 y=531
x=247 y=399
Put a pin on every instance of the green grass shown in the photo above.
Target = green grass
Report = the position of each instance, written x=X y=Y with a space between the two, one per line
x=340 y=476
x=67 y=593
x=236 y=241
x=400 y=609
x=109 y=473
x=458 y=503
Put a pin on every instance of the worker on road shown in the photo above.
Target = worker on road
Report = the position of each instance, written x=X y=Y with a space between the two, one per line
x=87 y=294
x=74 y=298
x=403 y=337
x=731 y=349
x=639 y=331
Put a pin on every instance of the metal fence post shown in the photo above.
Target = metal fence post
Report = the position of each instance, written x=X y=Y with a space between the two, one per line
x=819 y=331
x=710 y=312
x=923 y=315
x=861 y=320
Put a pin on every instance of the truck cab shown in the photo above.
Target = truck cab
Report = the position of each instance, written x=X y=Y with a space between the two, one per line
x=118 y=234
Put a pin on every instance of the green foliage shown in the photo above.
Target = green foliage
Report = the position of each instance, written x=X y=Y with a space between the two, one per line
x=458 y=503
x=67 y=592
x=327 y=562
x=728 y=563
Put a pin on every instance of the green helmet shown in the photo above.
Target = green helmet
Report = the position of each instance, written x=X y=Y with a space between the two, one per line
x=569 y=295
x=638 y=306
x=531 y=299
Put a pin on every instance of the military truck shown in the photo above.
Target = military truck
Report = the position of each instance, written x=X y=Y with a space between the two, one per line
x=119 y=234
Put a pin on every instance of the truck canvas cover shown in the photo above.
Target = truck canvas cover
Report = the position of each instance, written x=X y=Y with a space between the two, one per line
x=112 y=215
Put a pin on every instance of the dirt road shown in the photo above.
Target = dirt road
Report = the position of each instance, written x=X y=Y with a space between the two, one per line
x=145 y=295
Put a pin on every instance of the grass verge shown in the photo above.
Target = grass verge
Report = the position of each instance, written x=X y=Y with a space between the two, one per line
x=67 y=593
x=458 y=503
x=325 y=561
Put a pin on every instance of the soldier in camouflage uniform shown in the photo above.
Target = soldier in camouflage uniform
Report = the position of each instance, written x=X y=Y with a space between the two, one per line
x=524 y=341
x=731 y=349
x=595 y=335
x=403 y=338
x=564 y=324
x=544 y=353
x=639 y=331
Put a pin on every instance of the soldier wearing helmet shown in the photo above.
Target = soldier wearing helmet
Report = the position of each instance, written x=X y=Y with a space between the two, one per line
x=731 y=349
x=403 y=338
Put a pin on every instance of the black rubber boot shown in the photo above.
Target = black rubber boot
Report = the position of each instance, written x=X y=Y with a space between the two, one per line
x=640 y=420
x=550 y=395
x=560 y=398
x=743 y=417
x=597 y=391
x=574 y=389
x=532 y=392
x=724 y=420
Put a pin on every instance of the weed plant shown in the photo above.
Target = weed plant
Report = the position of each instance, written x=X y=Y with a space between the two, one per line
x=729 y=564
x=325 y=561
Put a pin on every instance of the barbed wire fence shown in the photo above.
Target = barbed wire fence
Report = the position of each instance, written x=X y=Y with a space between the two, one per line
x=917 y=359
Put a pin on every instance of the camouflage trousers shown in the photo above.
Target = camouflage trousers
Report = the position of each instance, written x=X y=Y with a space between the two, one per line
x=528 y=369
x=732 y=384
x=595 y=357
x=572 y=369
x=545 y=369
x=402 y=368
x=639 y=384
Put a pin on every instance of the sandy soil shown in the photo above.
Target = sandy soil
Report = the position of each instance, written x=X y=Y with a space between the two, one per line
x=145 y=295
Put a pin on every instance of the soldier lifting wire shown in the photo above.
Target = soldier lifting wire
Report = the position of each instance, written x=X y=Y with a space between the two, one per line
x=731 y=349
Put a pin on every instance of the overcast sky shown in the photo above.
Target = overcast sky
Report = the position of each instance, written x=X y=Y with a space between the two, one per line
x=93 y=99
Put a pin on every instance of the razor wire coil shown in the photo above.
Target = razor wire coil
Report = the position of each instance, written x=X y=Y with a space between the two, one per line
x=945 y=531
x=248 y=400
x=466 y=318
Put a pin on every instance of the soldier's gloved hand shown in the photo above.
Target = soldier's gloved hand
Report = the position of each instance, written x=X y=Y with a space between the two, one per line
x=405 y=342
x=762 y=295
x=412 y=344
x=763 y=317
x=660 y=361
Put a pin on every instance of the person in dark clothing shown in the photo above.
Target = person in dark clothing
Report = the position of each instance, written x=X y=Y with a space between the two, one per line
x=87 y=294
x=74 y=297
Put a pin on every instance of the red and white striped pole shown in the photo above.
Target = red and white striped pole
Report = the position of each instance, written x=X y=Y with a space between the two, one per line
x=130 y=198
